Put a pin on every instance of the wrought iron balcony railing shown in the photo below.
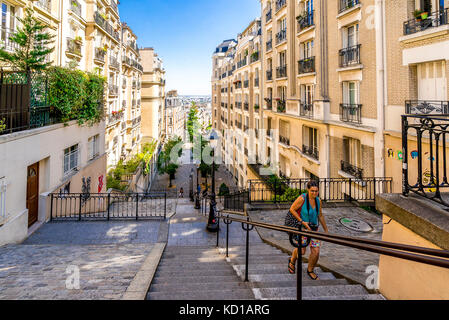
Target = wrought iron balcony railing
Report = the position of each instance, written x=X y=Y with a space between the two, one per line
x=350 y=56
x=426 y=107
x=238 y=85
x=351 y=169
x=113 y=62
x=254 y=56
x=281 y=36
x=5 y=42
x=281 y=72
x=268 y=16
x=133 y=45
x=434 y=20
x=347 y=4
x=269 y=45
x=269 y=103
x=246 y=106
x=242 y=62
x=306 y=65
x=238 y=105
x=280 y=4
x=284 y=140
x=306 y=110
x=100 y=21
x=281 y=106
x=113 y=89
x=73 y=47
x=269 y=75
x=305 y=20
x=311 y=151
x=351 y=113
x=246 y=84
x=75 y=6
x=114 y=6
x=124 y=104
x=44 y=4
x=100 y=54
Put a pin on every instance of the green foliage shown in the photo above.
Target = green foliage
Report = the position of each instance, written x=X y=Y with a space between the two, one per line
x=273 y=181
x=192 y=121
x=32 y=45
x=76 y=95
x=165 y=163
x=223 y=190
x=2 y=125
x=113 y=183
x=290 y=195
x=171 y=169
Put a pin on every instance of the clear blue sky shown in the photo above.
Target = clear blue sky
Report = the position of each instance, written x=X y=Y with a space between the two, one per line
x=185 y=33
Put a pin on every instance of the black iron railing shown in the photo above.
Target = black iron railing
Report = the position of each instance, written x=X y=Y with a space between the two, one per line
x=73 y=46
x=113 y=62
x=246 y=106
x=284 y=140
x=427 y=107
x=311 y=151
x=281 y=72
x=246 y=84
x=306 y=110
x=75 y=6
x=107 y=206
x=238 y=85
x=351 y=113
x=347 y=4
x=281 y=106
x=350 y=56
x=351 y=169
x=106 y=26
x=269 y=75
x=306 y=65
x=305 y=20
x=44 y=4
x=254 y=56
x=281 y=36
x=431 y=153
x=236 y=201
x=268 y=16
x=280 y=4
x=269 y=102
x=435 y=257
x=434 y=20
x=100 y=54
x=113 y=89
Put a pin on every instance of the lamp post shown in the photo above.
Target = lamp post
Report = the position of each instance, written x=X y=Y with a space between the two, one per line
x=212 y=223
x=191 y=186
x=197 y=198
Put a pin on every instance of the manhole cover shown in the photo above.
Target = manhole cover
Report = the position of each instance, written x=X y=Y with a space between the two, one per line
x=356 y=224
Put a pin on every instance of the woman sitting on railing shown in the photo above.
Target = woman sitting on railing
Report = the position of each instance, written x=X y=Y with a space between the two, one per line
x=305 y=211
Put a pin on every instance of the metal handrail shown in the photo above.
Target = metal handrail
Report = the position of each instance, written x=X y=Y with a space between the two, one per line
x=425 y=255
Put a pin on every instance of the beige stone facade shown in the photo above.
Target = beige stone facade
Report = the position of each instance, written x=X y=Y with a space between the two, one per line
x=153 y=97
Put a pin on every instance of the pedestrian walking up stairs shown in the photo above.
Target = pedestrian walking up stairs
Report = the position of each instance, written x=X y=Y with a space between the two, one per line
x=269 y=278
x=196 y=273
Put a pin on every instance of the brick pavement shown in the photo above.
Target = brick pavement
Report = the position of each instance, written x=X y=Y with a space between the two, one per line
x=350 y=263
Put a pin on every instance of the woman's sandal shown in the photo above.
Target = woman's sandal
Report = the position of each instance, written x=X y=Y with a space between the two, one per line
x=290 y=268
x=310 y=275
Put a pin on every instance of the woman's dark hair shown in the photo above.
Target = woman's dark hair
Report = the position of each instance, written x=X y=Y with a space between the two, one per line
x=312 y=183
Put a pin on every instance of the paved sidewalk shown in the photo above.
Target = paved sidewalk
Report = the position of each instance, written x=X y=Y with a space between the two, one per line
x=348 y=262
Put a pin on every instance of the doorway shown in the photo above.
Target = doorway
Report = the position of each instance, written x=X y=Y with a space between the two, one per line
x=32 y=193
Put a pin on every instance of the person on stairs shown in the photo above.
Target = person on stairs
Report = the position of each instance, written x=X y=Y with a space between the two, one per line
x=307 y=211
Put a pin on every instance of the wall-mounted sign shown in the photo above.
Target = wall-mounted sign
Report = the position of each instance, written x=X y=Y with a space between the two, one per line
x=356 y=225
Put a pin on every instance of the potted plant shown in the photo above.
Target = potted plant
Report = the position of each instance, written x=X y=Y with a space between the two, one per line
x=104 y=48
x=256 y=107
x=417 y=14
x=78 y=39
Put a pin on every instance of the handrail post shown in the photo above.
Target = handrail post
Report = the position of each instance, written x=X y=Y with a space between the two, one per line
x=247 y=253
x=299 y=271
x=79 y=215
x=109 y=203
x=227 y=238
x=275 y=191
x=137 y=206
x=350 y=190
x=165 y=205
x=218 y=228
x=51 y=203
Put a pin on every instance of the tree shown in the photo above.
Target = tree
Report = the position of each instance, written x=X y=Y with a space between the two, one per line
x=165 y=162
x=32 y=45
x=171 y=171
x=224 y=190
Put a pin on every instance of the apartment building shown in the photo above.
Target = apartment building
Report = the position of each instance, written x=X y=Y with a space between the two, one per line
x=237 y=99
x=175 y=115
x=153 y=125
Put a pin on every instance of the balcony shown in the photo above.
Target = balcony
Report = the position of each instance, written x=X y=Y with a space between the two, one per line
x=124 y=104
x=254 y=56
x=114 y=6
x=281 y=72
x=351 y=169
x=44 y=4
x=434 y=20
x=269 y=45
x=134 y=84
x=5 y=42
x=113 y=90
x=245 y=128
x=124 y=84
x=280 y=4
x=306 y=110
x=113 y=63
x=269 y=75
x=246 y=106
x=347 y=4
x=136 y=121
x=422 y=107
x=238 y=84
x=115 y=116
x=350 y=56
x=133 y=45
x=242 y=63
x=100 y=54
x=269 y=102
x=305 y=20
x=246 y=84
x=280 y=105
x=306 y=65
x=74 y=47
x=238 y=105
x=311 y=151
x=106 y=26
x=351 y=113
x=284 y=140
x=134 y=103
x=281 y=36
x=75 y=6
x=268 y=16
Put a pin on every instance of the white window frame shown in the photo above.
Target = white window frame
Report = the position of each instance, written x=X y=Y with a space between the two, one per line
x=72 y=158
x=94 y=146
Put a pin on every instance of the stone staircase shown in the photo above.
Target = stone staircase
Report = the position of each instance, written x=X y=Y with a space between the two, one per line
x=196 y=273
x=270 y=280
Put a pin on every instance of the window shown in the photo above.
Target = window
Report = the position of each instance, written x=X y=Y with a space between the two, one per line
x=94 y=146
x=283 y=24
x=307 y=49
x=70 y=159
x=352 y=151
x=351 y=92
x=307 y=93
x=351 y=36
x=282 y=58
x=310 y=137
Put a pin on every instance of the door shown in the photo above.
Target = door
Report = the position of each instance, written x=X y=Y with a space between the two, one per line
x=33 y=193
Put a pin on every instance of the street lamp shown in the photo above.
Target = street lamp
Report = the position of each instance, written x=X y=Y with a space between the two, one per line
x=191 y=186
x=212 y=223
x=197 y=198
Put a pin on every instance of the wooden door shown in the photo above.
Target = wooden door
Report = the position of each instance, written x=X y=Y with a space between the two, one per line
x=33 y=193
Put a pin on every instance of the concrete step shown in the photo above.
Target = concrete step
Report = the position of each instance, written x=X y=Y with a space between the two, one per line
x=260 y=278
x=199 y=286
x=354 y=297
x=259 y=260
x=235 y=294
x=191 y=273
x=313 y=291
x=212 y=278
x=305 y=283
x=204 y=266
x=271 y=268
